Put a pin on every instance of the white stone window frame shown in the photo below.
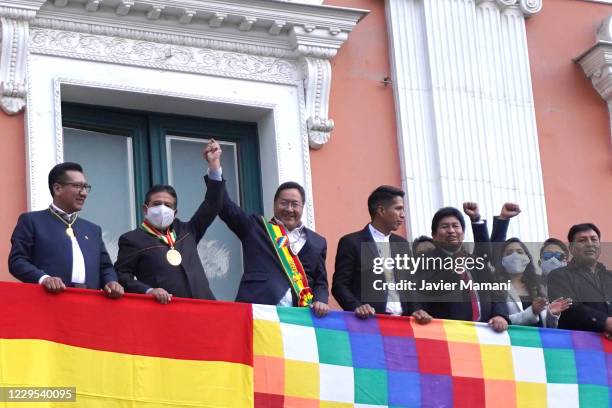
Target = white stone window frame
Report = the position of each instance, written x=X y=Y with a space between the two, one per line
x=268 y=59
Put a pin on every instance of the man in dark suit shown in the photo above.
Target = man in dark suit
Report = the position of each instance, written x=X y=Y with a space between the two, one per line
x=451 y=264
x=56 y=248
x=284 y=262
x=586 y=281
x=160 y=258
x=355 y=280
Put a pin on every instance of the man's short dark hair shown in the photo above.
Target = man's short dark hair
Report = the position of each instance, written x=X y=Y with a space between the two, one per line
x=288 y=186
x=161 y=188
x=587 y=226
x=554 y=241
x=417 y=241
x=383 y=196
x=58 y=173
x=446 y=212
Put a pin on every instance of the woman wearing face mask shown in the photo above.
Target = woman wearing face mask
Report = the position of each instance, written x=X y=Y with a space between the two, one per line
x=526 y=301
x=553 y=254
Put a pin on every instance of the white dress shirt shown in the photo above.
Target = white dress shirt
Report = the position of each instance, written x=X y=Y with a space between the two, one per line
x=78 y=262
x=393 y=307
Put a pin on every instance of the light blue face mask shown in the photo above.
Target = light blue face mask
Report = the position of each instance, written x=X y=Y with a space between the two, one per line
x=551 y=264
x=515 y=263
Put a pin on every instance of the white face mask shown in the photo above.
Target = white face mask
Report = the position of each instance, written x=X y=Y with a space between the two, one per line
x=160 y=216
x=551 y=264
x=515 y=262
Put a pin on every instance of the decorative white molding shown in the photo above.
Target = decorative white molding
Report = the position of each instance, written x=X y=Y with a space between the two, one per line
x=247 y=23
x=217 y=20
x=317 y=84
x=597 y=63
x=216 y=37
x=465 y=111
x=14 y=19
x=92 y=5
x=163 y=56
x=170 y=38
x=526 y=7
x=12 y=65
x=155 y=12
x=124 y=7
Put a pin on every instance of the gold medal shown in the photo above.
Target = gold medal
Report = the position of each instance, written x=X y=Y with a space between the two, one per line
x=70 y=232
x=174 y=257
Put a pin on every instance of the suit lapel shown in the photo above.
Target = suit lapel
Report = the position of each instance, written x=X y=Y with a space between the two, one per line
x=366 y=238
x=307 y=245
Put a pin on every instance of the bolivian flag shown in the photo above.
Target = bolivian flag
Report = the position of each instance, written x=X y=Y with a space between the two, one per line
x=131 y=352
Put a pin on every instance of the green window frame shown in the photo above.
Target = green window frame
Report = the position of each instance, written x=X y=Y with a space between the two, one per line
x=148 y=132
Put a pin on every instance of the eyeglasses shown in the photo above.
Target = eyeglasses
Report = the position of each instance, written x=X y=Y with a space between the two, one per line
x=546 y=255
x=78 y=186
x=284 y=204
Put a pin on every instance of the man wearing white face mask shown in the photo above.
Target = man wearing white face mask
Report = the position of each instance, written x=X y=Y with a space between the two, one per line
x=160 y=258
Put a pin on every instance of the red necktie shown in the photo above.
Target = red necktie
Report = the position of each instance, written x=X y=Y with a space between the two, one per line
x=473 y=298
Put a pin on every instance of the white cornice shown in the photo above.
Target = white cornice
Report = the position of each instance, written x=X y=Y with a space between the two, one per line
x=229 y=13
x=184 y=35
x=32 y=5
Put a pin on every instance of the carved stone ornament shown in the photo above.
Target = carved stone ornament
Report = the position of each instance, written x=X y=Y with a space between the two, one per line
x=527 y=7
x=597 y=63
x=14 y=19
x=287 y=42
x=317 y=85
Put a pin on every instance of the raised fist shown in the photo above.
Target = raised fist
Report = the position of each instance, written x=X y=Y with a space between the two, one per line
x=212 y=152
x=509 y=210
x=471 y=210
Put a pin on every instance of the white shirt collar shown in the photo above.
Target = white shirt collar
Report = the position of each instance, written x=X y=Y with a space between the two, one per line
x=377 y=235
x=59 y=210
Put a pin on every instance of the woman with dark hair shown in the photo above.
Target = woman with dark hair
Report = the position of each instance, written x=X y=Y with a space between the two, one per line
x=526 y=301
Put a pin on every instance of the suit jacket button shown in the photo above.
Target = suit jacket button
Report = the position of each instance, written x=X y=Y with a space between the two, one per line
x=594 y=319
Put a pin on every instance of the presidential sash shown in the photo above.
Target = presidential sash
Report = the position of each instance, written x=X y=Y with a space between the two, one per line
x=290 y=263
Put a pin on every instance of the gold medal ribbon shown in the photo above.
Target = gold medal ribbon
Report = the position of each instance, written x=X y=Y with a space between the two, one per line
x=169 y=238
x=69 y=230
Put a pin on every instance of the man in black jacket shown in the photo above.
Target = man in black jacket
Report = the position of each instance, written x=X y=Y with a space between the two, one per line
x=354 y=278
x=160 y=258
x=454 y=284
x=586 y=281
x=284 y=261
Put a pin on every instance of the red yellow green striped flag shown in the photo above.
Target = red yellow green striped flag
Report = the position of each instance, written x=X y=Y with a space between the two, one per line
x=130 y=352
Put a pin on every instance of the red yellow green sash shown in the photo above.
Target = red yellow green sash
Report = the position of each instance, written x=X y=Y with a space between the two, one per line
x=290 y=263
x=168 y=238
